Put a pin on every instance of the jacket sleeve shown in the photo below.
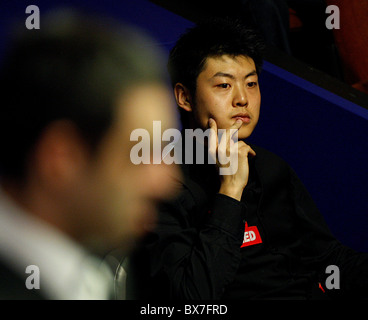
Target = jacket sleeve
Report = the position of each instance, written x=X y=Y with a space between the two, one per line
x=197 y=259
x=325 y=250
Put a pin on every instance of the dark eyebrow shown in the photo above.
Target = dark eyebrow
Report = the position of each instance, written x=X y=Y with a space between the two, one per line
x=253 y=73
x=223 y=74
x=228 y=75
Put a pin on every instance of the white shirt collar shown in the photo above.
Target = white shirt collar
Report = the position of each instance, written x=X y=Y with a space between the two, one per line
x=67 y=271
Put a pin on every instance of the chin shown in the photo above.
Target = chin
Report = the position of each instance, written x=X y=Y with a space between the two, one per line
x=244 y=134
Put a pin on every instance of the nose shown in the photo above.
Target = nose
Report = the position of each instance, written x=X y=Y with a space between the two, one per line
x=240 y=97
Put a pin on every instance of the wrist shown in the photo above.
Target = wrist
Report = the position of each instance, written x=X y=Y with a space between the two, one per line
x=231 y=191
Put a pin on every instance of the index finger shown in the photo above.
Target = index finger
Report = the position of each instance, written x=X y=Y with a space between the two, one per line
x=236 y=126
x=213 y=138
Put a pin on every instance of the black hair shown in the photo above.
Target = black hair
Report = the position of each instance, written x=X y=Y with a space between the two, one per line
x=75 y=68
x=211 y=38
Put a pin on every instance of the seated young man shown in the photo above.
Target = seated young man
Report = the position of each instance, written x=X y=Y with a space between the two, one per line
x=254 y=234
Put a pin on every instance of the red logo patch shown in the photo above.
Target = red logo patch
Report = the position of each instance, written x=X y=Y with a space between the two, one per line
x=251 y=236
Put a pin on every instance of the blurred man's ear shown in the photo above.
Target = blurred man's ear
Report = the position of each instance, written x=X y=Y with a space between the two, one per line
x=60 y=155
x=183 y=97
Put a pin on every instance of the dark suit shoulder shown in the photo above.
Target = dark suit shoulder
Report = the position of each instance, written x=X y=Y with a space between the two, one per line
x=268 y=157
x=272 y=170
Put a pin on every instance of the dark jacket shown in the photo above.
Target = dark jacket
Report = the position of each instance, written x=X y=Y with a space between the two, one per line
x=197 y=251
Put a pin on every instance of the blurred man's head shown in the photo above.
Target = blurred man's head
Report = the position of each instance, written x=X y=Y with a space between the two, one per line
x=71 y=94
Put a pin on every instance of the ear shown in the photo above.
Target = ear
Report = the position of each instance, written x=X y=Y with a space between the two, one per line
x=183 y=97
x=60 y=155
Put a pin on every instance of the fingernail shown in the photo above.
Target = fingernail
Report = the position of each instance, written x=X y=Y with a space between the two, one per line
x=210 y=121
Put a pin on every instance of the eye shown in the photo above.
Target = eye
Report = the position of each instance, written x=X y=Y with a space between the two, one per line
x=223 y=85
x=252 y=84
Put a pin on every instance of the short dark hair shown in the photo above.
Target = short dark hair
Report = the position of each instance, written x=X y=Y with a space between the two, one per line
x=75 y=68
x=211 y=38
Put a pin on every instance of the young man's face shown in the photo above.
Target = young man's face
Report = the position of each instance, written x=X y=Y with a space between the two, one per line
x=227 y=90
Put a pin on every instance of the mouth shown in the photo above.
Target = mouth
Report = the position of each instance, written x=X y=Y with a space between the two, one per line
x=242 y=116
